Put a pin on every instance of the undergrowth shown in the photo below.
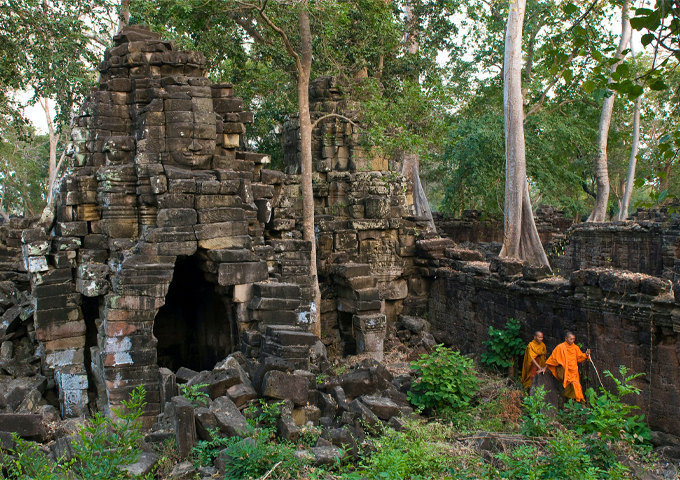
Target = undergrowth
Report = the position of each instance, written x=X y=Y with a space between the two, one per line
x=583 y=441
x=106 y=445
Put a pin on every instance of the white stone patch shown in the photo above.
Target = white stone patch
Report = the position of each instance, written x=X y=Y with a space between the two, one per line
x=122 y=358
x=60 y=358
x=118 y=344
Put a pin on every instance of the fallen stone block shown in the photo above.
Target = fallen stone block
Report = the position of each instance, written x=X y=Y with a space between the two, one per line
x=384 y=408
x=363 y=413
x=184 y=374
x=327 y=455
x=241 y=394
x=341 y=437
x=267 y=365
x=205 y=423
x=23 y=424
x=287 y=428
x=143 y=466
x=183 y=471
x=230 y=421
x=283 y=386
x=221 y=381
x=185 y=425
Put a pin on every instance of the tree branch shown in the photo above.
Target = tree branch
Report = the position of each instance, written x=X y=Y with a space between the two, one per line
x=332 y=115
x=248 y=27
x=277 y=29
x=585 y=14
x=551 y=85
x=587 y=190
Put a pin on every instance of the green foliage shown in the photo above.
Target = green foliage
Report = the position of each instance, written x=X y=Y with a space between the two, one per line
x=194 y=393
x=610 y=418
x=418 y=452
x=107 y=443
x=254 y=456
x=24 y=158
x=445 y=378
x=263 y=414
x=47 y=48
x=503 y=346
x=565 y=456
x=536 y=420
x=206 y=451
x=105 y=446
x=28 y=462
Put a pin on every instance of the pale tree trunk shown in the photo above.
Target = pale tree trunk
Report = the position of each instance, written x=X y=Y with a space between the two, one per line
x=663 y=184
x=601 y=170
x=3 y=213
x=306 y=156
x=521 y=236
x=410 y=162
x=409 y=169
x=411 y=39
x=124 y=14
x=54 y=140
x=630 y=180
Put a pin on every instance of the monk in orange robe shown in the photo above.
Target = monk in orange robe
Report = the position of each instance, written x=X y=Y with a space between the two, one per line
x=534 y=359
x=563 y=364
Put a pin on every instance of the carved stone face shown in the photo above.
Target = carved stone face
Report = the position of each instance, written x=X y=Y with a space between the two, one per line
x=190 y=152
x=190 y=128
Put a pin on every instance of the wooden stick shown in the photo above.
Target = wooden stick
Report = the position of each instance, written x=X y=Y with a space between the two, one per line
x=270 y=471
x=596 y=372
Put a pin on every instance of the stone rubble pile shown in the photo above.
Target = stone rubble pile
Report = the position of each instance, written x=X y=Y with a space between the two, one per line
x=27 y=398
x=345 y=407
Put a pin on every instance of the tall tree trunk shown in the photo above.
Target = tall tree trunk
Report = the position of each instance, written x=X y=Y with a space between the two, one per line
x=124 y=14
x=410 y=168
x=663 y=184
x=630 y=180
x=54 y=140
x=521 y=236
x=306 y=155
x=411 y=40
x=601 y=170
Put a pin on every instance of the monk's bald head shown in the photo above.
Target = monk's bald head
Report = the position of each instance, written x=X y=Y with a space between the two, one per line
x=538 y=336
x=570 y=338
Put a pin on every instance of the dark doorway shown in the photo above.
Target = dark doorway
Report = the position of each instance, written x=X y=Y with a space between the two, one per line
x=193 y=328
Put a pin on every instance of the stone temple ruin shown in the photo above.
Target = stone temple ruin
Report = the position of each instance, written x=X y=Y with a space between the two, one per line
x=176 y=251
x=173 y=246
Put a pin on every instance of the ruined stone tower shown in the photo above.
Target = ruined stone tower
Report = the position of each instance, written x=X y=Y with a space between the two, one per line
x=173 y=247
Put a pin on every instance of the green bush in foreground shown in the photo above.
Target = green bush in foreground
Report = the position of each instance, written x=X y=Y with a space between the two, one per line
x=536 y=421
x=445 y=379
x=105 y=446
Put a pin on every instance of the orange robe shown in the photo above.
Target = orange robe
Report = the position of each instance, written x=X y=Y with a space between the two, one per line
x=563 y=364
x=535 y=350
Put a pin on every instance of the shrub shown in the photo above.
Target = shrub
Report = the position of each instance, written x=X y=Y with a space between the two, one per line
x=503 y=346
x=610 y=418
x=417 y=452
x=206 y=451
x=565 y=457
x=27 y=462
x=535 y=422
x=263 y=414
x=445 y=379
x=107 y=444
x=194 y=393
x=254 y=456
